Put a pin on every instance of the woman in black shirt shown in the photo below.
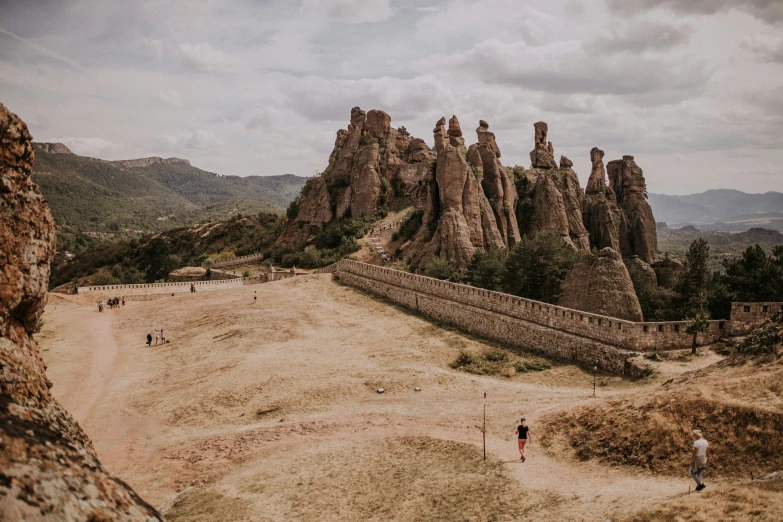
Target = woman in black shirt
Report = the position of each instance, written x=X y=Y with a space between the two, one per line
x=524 y=436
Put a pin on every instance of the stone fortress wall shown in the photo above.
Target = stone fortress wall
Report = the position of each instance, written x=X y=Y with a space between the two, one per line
x=636 y=336
x=178 y=287
x=236 y=261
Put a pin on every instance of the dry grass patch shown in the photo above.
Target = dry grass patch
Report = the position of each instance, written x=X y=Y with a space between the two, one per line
x=655 y=434
x=398 y=478
x=498 y=362
x=755 y=502
x=208 y=504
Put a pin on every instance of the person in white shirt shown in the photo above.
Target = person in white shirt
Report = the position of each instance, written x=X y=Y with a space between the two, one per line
x=699 y=458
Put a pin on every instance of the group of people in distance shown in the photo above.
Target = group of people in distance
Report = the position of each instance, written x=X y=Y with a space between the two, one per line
x=114 y=302
x=699 y=457
x=160 y=335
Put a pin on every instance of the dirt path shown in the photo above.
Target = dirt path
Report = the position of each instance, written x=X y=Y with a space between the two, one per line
x=223 y=418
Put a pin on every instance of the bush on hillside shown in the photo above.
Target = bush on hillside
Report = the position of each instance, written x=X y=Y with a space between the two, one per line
x=498 y=362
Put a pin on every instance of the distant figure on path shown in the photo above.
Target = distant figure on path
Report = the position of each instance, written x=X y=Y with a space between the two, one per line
x=156 y=337
x=699 y=460
x=255 y=297
x=523 y=432
x=149 y=338
x=123 y=300
x=100 y=306
x=163 y=336
x=75 y=289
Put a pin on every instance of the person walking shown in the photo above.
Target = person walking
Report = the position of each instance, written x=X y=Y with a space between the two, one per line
x=156 y=337
x=123 y=300
x=255 y=297
x=523 y=436
x=699 y=458
x=163 y=336
x=149 y=338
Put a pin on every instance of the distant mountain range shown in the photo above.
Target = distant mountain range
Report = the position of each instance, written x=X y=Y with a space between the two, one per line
x=149 y=194
x=720 y=209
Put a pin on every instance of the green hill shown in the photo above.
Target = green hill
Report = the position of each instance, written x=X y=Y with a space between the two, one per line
x=151 y=194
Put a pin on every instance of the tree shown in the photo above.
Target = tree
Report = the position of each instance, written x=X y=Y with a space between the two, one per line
x=439 y=268
x=157 y=260
x=692 y=285
x=754 y=276
x=699 y=322
x=486 y=269
x=536 y=267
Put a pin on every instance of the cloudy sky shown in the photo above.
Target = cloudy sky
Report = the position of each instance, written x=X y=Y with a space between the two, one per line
x=694 y=90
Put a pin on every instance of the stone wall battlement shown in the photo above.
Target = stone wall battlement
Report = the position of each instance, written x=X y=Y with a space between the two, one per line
x=644 y=336
x=236 y=261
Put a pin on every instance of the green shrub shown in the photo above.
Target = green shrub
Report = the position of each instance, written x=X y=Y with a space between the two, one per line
x=411 y=225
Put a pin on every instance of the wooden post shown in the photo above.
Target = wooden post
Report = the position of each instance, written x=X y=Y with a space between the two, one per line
x=484 y=430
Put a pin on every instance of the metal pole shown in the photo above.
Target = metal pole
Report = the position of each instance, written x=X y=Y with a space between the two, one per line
x=484 y=430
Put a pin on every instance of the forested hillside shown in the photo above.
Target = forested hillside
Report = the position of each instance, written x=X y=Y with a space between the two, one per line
x=148 y=194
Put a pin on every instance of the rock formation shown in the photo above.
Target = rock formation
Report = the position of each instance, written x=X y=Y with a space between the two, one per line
x=617 y=214
x=668 y=271
x=48 y=467
x=601 y=284
x=543 y=154
x=469 y=199
x=600 y=212
x=641 y=273
x=550 y=198
x=367 y=160
x=637 y=230
x=52 y=148
x=458 y=206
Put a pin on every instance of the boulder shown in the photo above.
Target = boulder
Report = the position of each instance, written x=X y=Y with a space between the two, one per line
x=377 y=124
x=601 y=284
x=48 y=467
x=455 y=133
x=485 y=136
x=641 y=273
x=668 y=270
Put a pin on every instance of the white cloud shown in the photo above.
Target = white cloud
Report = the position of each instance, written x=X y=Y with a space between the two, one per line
x=265 y=118
x=157 y=48
x=203 y=58
x=92 y=147
x=169 y=96
x=768 y=47
x=354 y=11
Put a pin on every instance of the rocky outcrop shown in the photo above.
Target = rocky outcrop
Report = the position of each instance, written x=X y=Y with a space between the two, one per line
x=668 y=270
x=369 y=159
x=458 y=206
x=52 y=148
x=602 y=217
x=642 y=274
x=481 y=204
x=637 y=230
x=543 y=154
x=550 y=198
x=48 y=467
x=601 y=284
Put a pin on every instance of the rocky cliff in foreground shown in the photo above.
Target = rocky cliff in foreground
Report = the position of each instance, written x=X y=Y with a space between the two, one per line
x=48 y=467
x=470 y=201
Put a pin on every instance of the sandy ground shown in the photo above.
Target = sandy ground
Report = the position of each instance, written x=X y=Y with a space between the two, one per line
x=270 y=411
